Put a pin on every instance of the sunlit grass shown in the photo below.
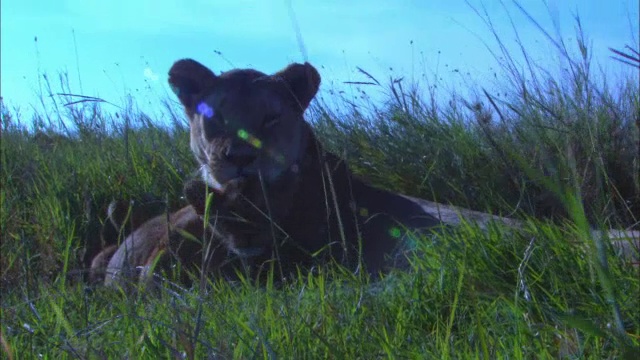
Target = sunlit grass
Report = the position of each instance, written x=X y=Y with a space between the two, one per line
x=460 y=298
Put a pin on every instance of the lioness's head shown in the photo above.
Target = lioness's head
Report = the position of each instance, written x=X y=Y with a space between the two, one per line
x=244 y=123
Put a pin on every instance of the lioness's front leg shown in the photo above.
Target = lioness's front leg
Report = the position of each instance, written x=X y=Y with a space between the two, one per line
x=237 y=223
x=196 y=192
x=229 y=205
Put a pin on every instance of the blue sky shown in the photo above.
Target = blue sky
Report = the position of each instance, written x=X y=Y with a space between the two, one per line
x=127 y=46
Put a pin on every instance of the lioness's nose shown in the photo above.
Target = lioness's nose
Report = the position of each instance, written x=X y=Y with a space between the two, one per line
x=241 y=154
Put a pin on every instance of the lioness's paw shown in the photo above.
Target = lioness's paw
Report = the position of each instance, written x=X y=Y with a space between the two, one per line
x=196 y=192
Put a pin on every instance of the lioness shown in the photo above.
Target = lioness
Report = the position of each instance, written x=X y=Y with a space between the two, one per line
x=277 y=194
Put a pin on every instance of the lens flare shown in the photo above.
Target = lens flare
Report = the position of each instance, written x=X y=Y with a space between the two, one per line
x=395 y=232
x=205 y=109
x=254 y=141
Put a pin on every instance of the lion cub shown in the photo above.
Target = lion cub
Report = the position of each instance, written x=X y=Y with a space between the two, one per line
x=155 y=242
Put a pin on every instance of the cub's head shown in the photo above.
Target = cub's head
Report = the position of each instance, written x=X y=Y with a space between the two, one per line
x=244 y=123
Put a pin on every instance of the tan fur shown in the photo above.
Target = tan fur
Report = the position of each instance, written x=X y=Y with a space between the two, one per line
x=155 y=244
x=123 y=217
x=100 y=262
x=163 y=240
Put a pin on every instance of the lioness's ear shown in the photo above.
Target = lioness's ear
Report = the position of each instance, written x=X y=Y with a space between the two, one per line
x=303 y=80
x=188 y=78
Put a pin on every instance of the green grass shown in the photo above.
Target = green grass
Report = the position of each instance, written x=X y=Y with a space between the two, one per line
x=460 y=299
x=561 y=154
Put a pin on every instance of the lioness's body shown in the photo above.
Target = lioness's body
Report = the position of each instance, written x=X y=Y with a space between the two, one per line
x=278 y=194
x=278 y=197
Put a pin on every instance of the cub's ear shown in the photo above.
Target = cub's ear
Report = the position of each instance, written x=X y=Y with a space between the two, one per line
x=302 y=80
x=188 y=78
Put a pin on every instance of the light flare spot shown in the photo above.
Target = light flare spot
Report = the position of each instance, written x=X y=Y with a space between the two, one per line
x=254 y=141
x=205 y=109
x=395 y=232
x=149 y=74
